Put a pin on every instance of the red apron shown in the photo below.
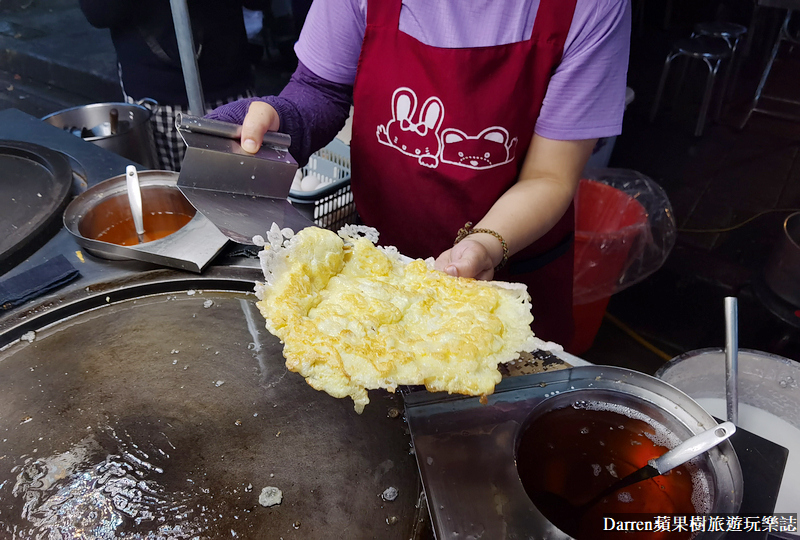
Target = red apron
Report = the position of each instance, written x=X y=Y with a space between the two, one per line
x=439 y=134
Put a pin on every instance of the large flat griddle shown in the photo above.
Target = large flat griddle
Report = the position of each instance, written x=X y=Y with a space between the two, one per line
x=34 y=186
x=164 y=416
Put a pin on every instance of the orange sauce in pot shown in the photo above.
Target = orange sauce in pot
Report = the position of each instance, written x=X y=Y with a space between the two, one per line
x=576 y=453
x=156 y=225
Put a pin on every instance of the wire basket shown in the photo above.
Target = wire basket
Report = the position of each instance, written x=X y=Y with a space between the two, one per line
x=331 y=204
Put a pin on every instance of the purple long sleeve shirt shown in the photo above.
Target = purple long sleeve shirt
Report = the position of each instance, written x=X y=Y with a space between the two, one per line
x=312 y=111
x=585 y=98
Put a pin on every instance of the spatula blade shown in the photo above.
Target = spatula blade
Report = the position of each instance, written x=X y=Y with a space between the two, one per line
x=220 y=164
x=241 y=193
x=241 y=217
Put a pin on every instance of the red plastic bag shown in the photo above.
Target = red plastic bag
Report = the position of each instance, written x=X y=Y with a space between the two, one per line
x=624 y=231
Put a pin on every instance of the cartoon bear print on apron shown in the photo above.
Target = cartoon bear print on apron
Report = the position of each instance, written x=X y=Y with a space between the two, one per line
x=418 y=135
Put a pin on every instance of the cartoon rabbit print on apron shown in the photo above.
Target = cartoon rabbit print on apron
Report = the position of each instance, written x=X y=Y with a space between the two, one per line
x=420 y=136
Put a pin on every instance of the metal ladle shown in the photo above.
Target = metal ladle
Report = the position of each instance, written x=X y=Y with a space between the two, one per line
x=135 y=200
x=569 y=515
x=732 y=358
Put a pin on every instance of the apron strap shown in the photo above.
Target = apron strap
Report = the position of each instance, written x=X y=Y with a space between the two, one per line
x=384 y=13
x=553 y=20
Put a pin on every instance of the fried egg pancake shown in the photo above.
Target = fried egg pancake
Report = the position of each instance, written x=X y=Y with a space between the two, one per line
x=353 y=316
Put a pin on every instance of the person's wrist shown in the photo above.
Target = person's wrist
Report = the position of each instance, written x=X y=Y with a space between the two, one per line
x=491 y=244
x=469 y=230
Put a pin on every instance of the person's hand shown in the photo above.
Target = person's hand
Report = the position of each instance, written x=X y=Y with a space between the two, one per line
x=260 y=118
x=473 y=257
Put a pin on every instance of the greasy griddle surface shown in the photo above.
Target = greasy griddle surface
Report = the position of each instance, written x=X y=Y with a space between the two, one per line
x=167 y=415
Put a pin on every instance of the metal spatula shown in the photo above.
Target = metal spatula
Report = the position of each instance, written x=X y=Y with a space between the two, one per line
x=241 y=193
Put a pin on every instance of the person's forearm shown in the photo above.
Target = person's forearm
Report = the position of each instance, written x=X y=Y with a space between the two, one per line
x=312 y=111
x=527 y=211
x=535 y=203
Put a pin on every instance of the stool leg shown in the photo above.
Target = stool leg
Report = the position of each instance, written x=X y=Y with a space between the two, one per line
x=726 y=79
x=661 y=83
x=712 y=75
x=751 y=30
x=681 y=78
x=764 y=76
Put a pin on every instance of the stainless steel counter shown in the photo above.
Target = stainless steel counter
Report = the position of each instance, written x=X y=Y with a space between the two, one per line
x=153 y=402
x=99 y=278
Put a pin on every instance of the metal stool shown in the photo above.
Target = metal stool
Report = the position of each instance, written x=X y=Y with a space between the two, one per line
x=732 y=34
x=712 y=52
x=784 y=35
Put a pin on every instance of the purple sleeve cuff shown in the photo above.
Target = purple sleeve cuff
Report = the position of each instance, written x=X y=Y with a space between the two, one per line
x=311 y=109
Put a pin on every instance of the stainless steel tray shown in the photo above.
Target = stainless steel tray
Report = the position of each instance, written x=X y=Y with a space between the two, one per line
x=466 y=451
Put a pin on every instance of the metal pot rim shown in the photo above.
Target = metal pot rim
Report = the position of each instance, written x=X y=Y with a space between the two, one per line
x=106 y=189
x=717 y=350
x=191 y=247
x=148 y=114
x=91 y=106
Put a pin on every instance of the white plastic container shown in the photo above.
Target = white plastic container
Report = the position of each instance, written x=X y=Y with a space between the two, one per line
x=769 y=402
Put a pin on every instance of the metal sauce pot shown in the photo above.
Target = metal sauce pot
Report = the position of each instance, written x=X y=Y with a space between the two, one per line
x=122 y=128
x=472 y=459
x=782 y=272
x=176 y=235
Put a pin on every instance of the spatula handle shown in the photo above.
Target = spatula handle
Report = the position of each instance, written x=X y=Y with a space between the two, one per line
x=227 y=130
x=693 y=447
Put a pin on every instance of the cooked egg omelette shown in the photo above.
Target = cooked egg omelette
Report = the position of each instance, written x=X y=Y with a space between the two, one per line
x=354 y=317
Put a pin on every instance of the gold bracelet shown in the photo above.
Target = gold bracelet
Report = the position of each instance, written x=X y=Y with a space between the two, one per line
x=467 y=230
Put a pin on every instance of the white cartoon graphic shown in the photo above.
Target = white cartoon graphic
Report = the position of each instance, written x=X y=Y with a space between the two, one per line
x=418 y=138
x=490 y=148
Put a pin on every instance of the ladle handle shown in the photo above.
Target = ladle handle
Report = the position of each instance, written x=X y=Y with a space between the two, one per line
x=113 y=123
x=732 y=358
x=693 y=447
x=135 y=198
